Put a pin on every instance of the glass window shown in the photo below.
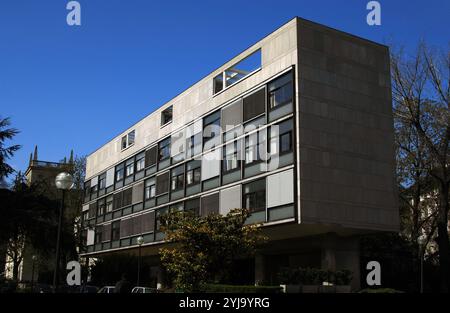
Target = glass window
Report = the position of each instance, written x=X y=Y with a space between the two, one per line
x=159 y=213
x=150 y=190
x=87 y=188
x=177 y=182
x=101 y=207
x=128 y=140
x=193 y=176
x=218 y=82
x=86 y=215
x=281 y=141
x=124 y=142
x=140 y=162
x=109 y=203
x=131 y=136
x=164 y=149
x=166 y=115
x=211 y=130
x=254 y=195
x=231 y=158
x=280 y=96
x=255 y=147
x=129 y=167
x=119 y=172
x=280 y=91
x=102 y=181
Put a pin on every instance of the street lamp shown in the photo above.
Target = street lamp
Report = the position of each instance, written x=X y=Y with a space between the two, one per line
x=33 y=258
x=422 y=245
x=63 y=181
x=140 y=241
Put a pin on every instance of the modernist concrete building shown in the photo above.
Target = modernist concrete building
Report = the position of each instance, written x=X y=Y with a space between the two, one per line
x=317 y=100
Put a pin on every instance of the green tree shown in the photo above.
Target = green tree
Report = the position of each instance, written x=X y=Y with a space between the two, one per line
x=421 y=104
x=27 y=218
x=203 y=248
x=6 y=152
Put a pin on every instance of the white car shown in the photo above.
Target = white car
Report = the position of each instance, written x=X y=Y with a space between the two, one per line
x=107 y=289
x=143 y=290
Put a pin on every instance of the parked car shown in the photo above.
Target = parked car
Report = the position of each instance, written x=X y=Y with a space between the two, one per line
x=107 y=289
x=88 y=289
x=143 y=290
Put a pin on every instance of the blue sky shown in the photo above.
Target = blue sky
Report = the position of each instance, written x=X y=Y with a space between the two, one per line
x=76 y=87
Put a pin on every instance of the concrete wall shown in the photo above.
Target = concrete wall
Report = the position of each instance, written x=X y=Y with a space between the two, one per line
x=346 y=145
x=279 y=51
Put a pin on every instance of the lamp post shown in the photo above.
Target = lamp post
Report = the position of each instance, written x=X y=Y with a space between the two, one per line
x=422 y=245
x=33 y=258
x=140 y=241
x=63 y=181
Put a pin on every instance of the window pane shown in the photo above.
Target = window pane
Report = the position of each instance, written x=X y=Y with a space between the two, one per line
x=218 y=83
x=166 y=115
x=131 y=138
x=164 y=149
x=280 y=96
x=189 y=177
x=129 y=169
x=140 y=164
x=285 y=142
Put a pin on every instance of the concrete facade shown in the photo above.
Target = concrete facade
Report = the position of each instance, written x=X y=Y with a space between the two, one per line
x=335 y=182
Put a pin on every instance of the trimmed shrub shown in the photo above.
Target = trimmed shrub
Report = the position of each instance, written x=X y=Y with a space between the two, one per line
x=218 y=288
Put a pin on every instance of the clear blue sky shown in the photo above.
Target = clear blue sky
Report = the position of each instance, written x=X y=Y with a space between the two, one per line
x=77 y=87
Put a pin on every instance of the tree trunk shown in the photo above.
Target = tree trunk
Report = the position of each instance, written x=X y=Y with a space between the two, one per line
x=16 y=264
x=443 y=239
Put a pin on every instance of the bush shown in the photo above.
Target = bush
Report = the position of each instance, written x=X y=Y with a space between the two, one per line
x=217 y=288
x=380 y=290
x=8 y=285
x=313 y=276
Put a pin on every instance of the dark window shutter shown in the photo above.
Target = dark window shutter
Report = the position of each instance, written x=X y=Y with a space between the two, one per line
x=127 y=196
x=148 y=222
x=125 y=228
x=232 y=115
x=192 y=205
x=106 y=232
x=162 y=183
x=254 y=104
x=136 y=225
x=117 y=200
x=150 y=156
x=210 y=204
x=92 y=210
x=138 y=192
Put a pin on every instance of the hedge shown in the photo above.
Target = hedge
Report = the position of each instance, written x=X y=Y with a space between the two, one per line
x=218 y=288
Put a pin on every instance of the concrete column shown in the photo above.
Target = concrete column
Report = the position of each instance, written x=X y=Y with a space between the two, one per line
x=329 y=246
x=348 y=258
x=260 y=264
